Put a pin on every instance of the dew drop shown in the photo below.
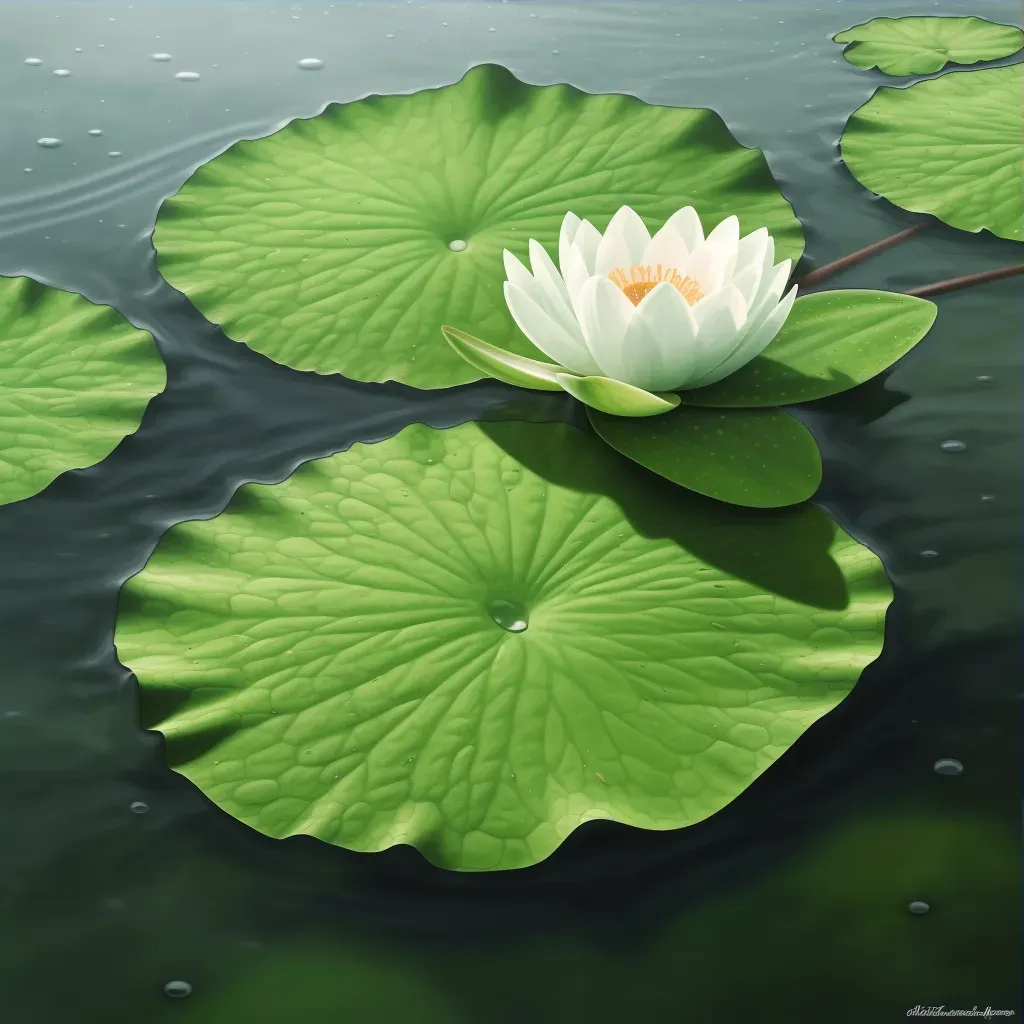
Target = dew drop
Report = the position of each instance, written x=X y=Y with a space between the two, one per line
x=929 y=553
x=983 y=377
x=138 y=807
x=162 y=57
x=510 y=615
x=918 y=907
x=187 y=76
x=311 y=64
x=458 y=245
x=177 y=989
x=953 y=446
x=95 y=131
x=114 y=152
x=988 y=497
x=48 y=143
x=947 y=766
x=33 y=62
x=62 y=72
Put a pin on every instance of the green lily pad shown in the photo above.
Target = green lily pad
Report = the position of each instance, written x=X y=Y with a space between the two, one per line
x=761 y=458
x=947 y=146
x=921 y=45
x=472 y=640
x=327 y=246
x=75 y=379
x=831 y=342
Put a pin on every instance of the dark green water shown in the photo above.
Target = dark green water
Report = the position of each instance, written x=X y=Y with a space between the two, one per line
x=788 y=906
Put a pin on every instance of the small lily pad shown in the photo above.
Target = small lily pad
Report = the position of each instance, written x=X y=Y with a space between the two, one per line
x=342 y=243
x=921 y=45
x=473 y=640
x=832 y=341
x=948 y=146
x=75 y=379
x=761 y=458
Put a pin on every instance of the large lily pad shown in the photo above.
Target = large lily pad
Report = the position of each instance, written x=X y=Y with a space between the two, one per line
x=948 y=146
x=473 y=640
x=75 y=379
x=831 y=342
x=328 y=245
x=921 y=45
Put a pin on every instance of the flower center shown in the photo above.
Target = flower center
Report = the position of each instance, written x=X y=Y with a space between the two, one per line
x=636 y=281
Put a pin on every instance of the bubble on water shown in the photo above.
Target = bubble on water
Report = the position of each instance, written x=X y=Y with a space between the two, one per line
x=33 y=62
x=78 y=49
x=311 y=64
x=28 y=170
x=948 y=766
x=114 y=152
x=458 y=245
x=187 y=76
x=160 y=56
x=929 y=553
x=177 y=989
x=95 y=131
x=48 y=143
x=981 y=376
x=138 y=807
x=988 y=497
x=390 y=35
x=953 y=446
x=62 y=72
x=918 y=907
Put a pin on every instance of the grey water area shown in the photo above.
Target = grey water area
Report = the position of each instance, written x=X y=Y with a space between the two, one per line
x=118 y=877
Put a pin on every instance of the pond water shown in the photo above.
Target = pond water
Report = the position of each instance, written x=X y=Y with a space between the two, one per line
x=863 y=875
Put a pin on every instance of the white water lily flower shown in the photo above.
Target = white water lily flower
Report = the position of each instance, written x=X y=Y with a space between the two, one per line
x=625 y=313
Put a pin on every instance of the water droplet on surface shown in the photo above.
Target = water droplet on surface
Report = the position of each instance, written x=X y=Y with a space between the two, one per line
x=929 y=553
x=62 y=72
x=48 y=143
x=114 y=152
x=33 y=62
x=160 y=56
x=953 y=446
x=947 y=766
x=78 y=49
x=981 y=376
x=187 y=76
x=138 y=807
x=988 y=497
x=95 y=131
x=311 y=64
x=510 y=615
x=28 y=170
x=918 y=907
x=177 y=989
x=458 y=245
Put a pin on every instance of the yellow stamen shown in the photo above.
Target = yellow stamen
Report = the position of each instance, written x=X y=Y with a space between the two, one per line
x=635 y=282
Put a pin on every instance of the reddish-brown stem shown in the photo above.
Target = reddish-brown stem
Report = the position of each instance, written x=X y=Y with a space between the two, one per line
x=954 y=283
x=861 y=254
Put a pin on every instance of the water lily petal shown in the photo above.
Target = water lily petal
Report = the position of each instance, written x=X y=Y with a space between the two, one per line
x=623 y=243
x=725 y=240
x=615 y=397
x=751 y=250
x=549 y=336
x=553 y=300
x=706 y=266
x=505 y=366
x=605 y=314
x=721 y=319
x=768 y=294
x=586 y=243
x=686 y=224
x=576 y=276
x=545 y=271
x=570 y=225
x=661 y=341
x=746 y=282
x=666 y=248
x=754 y=343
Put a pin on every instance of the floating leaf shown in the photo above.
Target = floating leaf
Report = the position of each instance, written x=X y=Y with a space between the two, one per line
x=328 y=245
x=761 y=458
x=921 y=45
x=75 y=379
x=473 y=640
x=831 y=341
x=948 y=146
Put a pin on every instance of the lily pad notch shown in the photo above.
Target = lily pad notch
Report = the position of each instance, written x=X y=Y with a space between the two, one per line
x=335 y=244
